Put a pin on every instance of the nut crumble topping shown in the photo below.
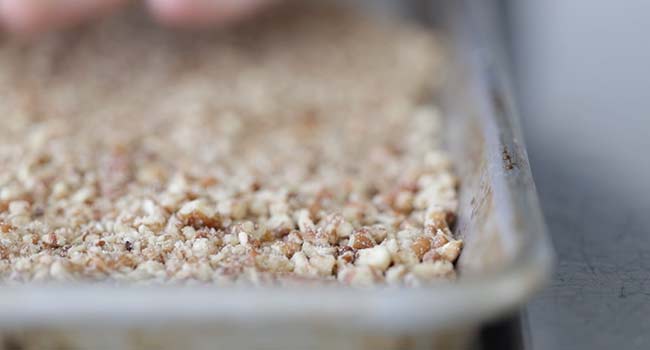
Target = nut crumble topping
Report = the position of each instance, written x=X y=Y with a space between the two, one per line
x=299 y=147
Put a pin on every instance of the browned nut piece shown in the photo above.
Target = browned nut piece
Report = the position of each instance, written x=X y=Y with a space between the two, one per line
x=347 y=257
x=6 y=228
x=403 y=202
x=361 y=240
x=436 y=219
x=208 y=181
x=420 y=246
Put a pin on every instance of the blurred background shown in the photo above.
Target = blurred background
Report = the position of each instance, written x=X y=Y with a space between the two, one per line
x=583 y=83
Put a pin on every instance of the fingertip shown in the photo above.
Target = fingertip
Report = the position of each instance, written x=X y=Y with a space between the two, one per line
x=198 y=13
x=33 y=16
x=170 y=12
x=22 y=16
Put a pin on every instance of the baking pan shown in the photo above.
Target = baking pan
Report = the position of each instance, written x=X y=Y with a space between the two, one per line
x=506 y=258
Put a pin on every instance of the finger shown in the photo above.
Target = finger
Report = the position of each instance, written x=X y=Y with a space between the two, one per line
x=199 y=13
x=29 y=16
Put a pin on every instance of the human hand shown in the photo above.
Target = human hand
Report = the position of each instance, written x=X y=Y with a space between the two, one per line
x=33 y=16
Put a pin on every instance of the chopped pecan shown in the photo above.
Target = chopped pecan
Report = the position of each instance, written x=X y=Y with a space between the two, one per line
x=361 y=240
x=5 y=227
x=421 y=245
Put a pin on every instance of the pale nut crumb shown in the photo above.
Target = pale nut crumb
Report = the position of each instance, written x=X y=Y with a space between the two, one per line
x=378 y=233
x=344 y=229
x=238 y=210
x=436 y=218
x=324 y=264
x=198 y=213
x=17 y=208
x=304 y=221
x=437 y=160
x=243 y=238
x=360 y=276
x=188 y=232
x=377 y=257
x=275 y=263
x=431 y=270
x=395 y=274
x=451 y=250
x=201 y=247
x=60 y=190
x=440 y=239
x=403 y=201
x=432 y=256
x=83 y=195
x=302 y=267
x=59 y=271
x=281 y=224
x=196 y=207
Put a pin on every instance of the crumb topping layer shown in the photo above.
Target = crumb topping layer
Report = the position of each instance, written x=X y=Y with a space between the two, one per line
x=298 y=148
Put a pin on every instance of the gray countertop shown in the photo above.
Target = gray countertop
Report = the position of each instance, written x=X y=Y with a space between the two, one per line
x=600 y=296
x=584 y=88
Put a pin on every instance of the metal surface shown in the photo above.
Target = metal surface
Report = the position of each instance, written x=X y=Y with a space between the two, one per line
x=507 y=255
x=583 y=79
